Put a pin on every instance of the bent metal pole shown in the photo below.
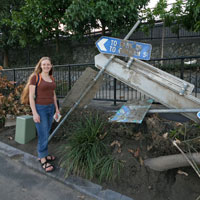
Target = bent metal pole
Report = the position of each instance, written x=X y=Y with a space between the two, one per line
x=90 y=86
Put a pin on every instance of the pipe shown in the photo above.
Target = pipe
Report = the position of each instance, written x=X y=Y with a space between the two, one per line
x=172 y=161
x=183 y=110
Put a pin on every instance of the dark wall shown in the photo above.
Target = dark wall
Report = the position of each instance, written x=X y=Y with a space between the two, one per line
x=84 y=51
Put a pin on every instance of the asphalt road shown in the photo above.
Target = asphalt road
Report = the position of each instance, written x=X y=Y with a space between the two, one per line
x=17 y=181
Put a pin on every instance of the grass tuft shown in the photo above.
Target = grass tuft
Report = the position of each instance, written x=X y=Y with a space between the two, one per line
x=86 y=153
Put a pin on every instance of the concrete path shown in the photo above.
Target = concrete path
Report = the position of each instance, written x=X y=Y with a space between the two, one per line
x=20 y=182
x=21 y=177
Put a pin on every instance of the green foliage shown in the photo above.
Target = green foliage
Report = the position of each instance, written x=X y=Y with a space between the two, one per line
x=108 y=168
x=38 y=20
x=86 y=154
x=178 y=133
x=7 y=8
x=10 y=99
x=117 y=16
x=191 y=19
x=7 y=40
x=84 y=148
x=182 y=14
x=184 y=133
x=160 y=9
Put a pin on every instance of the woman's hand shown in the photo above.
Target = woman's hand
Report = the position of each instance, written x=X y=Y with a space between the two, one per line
x=36 y=118
x=57 y=115
x=57 y=111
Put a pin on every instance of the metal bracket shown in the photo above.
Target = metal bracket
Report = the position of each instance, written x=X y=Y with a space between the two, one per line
x=129 y=62
x=185 y=86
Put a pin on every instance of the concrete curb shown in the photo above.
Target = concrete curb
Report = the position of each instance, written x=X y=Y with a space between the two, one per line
x=74 y=182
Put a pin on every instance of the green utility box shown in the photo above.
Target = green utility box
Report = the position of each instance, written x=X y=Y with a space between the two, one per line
x=25 y=129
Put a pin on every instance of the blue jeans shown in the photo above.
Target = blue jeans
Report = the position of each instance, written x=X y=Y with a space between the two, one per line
x=46 y=113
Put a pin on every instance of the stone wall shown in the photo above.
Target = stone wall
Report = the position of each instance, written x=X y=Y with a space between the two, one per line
x=176 y=47
x=84 y=53
x=85 y=50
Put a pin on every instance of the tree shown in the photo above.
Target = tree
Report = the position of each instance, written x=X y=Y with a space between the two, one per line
x=38 y=20
x=191 y=17
x=6 y=38
x=115 y=15
x=182 y=14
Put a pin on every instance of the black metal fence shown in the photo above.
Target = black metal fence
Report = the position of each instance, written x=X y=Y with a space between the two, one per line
x=155 y=33
x=187 y=68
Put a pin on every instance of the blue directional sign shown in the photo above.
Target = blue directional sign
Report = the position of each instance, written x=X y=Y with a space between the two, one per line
x=126 y=48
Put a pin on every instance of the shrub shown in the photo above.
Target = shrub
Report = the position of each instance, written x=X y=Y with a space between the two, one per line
x=86 y=153
x=10 y=100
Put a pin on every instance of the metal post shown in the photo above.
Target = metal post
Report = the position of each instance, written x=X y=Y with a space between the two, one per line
x=182 y=69
x=94 y=81
x=14 y=74
x=115 y=91
x=69 y=77
x=196 y=81
x=183 y=110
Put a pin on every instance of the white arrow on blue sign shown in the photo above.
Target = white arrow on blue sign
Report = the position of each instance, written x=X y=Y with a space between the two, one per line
x=126 y=48
x=198 y=114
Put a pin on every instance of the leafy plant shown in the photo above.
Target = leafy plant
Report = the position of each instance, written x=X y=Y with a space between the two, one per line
x=86 y=153
x=7 y=40
x=10 y=100
x=118 y=16
x=179 y=132
x=188 y=137
x=38 y=20
x=181 y=14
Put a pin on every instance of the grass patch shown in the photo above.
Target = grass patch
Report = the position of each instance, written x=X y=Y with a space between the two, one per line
x=109 y=168
x=86 y=153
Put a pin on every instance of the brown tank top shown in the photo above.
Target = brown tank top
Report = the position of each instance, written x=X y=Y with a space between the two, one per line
x=45 y=91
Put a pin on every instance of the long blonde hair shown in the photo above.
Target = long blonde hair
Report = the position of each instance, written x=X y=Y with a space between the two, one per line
x=37 y=70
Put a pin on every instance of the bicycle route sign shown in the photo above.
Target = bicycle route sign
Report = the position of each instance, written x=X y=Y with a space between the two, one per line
x=125 y=48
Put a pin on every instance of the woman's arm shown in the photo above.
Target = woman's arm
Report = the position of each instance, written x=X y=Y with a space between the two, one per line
x=36 y=117
x=55 y=103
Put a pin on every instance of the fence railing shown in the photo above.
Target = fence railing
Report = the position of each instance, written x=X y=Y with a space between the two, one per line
x=155 y=32
x=187 y=68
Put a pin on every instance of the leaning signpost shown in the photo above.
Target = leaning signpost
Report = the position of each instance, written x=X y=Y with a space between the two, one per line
x=90 y=86
x=161 y=86
x=157 y=84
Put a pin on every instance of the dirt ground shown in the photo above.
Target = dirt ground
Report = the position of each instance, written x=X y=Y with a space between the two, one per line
x=134 y=144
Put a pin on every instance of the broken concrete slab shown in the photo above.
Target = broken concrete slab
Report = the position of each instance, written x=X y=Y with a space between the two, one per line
x=80 y=86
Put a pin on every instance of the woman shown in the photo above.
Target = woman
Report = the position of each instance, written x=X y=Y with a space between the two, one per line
x=43 y=103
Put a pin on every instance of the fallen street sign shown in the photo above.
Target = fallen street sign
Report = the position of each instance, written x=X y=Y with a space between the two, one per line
x=126 y=48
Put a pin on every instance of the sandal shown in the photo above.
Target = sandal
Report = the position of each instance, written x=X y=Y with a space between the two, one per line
x=47 y=165
x=50 y=158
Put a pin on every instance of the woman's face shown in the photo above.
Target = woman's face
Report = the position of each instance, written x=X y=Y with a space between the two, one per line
x=46 y=66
